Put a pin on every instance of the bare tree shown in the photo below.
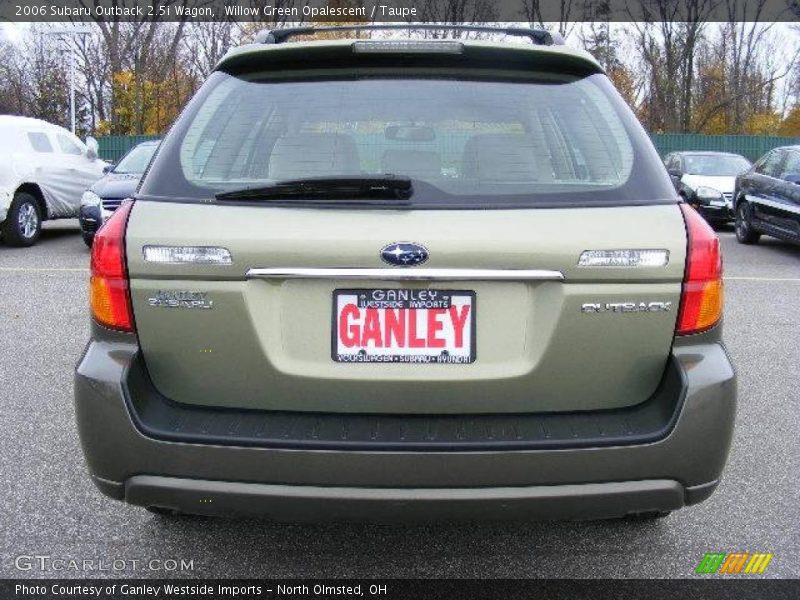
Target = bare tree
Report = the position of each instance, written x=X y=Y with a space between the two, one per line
x=744 y=41
x=598 y=39
x=668 y=38
x=34 y=77
x=569 y=11
x=206 y=43
x=95 y=71
x=10 y=101
x=132 y=45
x=454 y=12
x=738 y=71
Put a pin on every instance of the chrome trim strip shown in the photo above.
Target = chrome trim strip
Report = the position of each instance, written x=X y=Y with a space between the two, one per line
x=401 y=274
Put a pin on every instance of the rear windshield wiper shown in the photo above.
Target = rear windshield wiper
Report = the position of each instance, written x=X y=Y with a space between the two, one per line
x=345 y=187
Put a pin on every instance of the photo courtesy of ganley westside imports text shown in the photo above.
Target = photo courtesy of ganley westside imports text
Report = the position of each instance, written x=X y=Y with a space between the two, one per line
x=155 y=589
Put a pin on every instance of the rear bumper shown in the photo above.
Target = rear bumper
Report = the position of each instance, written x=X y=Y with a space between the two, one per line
x=306 y=503
x=681 y=466
x=720 y=214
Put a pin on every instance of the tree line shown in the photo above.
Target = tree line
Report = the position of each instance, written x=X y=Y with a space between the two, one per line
x=677 y=69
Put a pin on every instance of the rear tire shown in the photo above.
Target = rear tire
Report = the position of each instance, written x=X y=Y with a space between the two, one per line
x=88 y=239
x=745 y=234
x=23 y=224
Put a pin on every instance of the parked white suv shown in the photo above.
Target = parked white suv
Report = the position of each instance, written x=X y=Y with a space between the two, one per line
x=44 y=169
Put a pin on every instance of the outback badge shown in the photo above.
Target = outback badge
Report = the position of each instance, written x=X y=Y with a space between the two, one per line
x=404 y=254
x=625 y=307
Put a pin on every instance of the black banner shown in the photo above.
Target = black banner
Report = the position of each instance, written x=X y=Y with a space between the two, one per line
x=416 y=11
x=393 y=589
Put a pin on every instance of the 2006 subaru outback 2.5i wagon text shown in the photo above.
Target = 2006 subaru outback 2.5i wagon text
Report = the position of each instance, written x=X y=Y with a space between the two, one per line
x=388 y=279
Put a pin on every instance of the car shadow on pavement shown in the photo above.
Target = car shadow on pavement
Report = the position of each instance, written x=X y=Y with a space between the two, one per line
x=56 y=230
x=785 y=248
x=473 y=549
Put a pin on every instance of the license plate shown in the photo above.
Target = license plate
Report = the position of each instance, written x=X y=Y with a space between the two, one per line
x=403 y=326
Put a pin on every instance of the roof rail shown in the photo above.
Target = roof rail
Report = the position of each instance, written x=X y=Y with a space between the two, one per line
x=537 y=36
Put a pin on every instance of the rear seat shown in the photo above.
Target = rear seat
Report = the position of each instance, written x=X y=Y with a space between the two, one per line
x=505 y=157
x=314 y=155
x=417 y=164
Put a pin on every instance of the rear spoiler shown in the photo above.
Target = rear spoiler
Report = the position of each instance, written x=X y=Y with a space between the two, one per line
x=344 y=54
x=537 y=36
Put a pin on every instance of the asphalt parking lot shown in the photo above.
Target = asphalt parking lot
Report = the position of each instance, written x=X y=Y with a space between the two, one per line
x=49 y=506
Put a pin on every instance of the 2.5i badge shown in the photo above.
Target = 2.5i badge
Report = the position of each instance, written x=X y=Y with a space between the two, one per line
x=404 y=326
x=180 y=299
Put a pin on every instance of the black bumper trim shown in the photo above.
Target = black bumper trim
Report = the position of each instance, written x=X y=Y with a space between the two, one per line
x=160 y=418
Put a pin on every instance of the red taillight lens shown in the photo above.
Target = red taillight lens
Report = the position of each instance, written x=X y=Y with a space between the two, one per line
x=701 y=300
x=109 y=295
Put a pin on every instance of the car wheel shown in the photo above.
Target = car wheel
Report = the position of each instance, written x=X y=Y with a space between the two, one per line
x=88 y=239
x=745 y=234
x=23 y=224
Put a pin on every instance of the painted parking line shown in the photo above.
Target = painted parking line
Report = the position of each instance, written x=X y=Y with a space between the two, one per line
x=44 y=270
x=790 y=279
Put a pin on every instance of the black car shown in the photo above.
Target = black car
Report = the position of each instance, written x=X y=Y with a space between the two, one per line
x=767 y=197
x=119 y=182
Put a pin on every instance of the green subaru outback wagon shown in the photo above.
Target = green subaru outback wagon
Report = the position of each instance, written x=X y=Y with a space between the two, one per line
x=381 y=278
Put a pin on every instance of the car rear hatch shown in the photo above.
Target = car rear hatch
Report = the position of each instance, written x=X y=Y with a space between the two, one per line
x=540 y=215
x=266 y=343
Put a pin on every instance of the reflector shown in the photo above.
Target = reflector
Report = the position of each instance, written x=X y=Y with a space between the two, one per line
x=204 y=255
x=623 y=258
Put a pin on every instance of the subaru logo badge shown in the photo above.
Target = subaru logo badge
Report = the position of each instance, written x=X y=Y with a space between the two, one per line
x=404 y=254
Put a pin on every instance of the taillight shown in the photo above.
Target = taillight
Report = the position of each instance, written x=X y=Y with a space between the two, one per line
x=109 y=294
x=701 y=300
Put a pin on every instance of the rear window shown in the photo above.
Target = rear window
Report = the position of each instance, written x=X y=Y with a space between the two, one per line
x=532 y=140
x=716 y=165
x=136 y=160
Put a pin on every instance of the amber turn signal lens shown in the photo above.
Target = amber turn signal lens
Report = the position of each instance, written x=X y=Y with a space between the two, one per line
x=108 y=299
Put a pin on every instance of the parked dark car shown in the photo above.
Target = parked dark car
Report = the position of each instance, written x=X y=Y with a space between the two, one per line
x=706 y=181
x=118 y=183
x=767 y=197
